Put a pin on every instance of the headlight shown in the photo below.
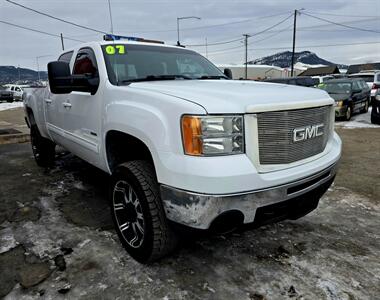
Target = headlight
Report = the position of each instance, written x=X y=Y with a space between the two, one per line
x=339 y=103
x=212 y=135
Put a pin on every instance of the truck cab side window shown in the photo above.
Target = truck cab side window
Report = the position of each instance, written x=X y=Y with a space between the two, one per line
x=85 y=63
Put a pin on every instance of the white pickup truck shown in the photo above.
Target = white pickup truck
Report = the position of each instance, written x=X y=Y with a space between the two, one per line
x=184 y=143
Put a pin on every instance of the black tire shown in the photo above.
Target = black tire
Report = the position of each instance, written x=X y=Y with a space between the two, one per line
x=10 y=100
x=366 y=105
x=138 y=214
x=348 y=114
x=43 y=149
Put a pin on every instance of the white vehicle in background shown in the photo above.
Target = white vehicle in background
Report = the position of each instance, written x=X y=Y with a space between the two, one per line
x=182 y=142
x=372 y=78
x=323 y=79
x=17 y=91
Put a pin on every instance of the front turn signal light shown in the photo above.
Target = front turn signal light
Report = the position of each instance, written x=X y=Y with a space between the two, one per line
x=191 y=135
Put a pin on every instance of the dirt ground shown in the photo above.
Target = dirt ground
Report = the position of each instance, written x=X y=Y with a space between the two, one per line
x=57 y=241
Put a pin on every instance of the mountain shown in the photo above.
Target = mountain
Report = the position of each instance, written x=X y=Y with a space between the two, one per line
x=284 y=59
x=11 y=74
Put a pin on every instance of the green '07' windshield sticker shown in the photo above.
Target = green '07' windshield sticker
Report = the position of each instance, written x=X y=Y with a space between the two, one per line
x=115 y=49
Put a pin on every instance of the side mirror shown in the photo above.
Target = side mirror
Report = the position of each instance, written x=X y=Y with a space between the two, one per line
x=62 y=82
x=228 y=73
x=59 y=77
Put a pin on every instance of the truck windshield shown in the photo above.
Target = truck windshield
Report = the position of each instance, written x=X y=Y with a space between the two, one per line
x=132 y=63
x=338 y=88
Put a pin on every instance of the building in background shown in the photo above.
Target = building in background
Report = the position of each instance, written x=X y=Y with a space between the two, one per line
x=255 y=72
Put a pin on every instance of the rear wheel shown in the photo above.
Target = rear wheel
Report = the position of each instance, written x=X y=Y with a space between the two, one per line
x=365 y=108
x=138 y=213
x=43 y=149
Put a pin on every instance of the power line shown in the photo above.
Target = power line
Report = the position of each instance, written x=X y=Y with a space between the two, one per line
x=240 y=39
x=318 y=46
x=341 y=15
x=56 y=18
x=216 y=43
x=253 y=42
x=273 y=26
x=215 y=25
x=304 y=28
x=274 y=34
x=284 y=48
x=340 y=24
x=39 y=31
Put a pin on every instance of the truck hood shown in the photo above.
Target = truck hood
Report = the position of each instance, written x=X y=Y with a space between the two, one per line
x=237 y=96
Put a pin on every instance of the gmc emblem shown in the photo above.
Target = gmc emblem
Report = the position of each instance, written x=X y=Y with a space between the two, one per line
x=307 y=132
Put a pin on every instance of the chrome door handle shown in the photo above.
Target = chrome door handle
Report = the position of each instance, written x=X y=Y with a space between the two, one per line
x=48 y=101
x=66 y=104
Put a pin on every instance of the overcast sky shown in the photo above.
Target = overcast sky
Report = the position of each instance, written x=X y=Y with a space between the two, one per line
x=221 y=20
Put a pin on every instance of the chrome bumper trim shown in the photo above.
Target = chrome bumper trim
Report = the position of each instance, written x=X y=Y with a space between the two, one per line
x=199 y=210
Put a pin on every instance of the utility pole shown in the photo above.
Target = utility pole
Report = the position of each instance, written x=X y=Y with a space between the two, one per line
x=246 y=36
x=109 y=9
x=294 y=41
x=38 y=69
x=206 y=49
x=63 y=46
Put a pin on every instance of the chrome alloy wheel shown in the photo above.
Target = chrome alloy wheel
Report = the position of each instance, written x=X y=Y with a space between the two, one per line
x=128 y=214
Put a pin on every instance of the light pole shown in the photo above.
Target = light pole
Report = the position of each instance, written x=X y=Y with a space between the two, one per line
x=109 y=9
x=183 y=18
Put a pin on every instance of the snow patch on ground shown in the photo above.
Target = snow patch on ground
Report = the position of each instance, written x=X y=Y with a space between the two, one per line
x=7 y=240
x=358 y=121
x=13 y=105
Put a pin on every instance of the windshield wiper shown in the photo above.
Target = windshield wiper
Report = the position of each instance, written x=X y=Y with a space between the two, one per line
x=156 y=77
x=213 y=77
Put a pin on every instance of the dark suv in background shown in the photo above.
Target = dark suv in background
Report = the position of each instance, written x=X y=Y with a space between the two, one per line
x=350 y=95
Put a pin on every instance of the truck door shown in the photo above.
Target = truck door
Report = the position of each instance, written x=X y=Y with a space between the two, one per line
x=82 y=112
x=52 y=108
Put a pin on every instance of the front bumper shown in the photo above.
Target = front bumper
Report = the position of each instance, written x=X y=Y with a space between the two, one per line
x=200 y=210
x=340 y=111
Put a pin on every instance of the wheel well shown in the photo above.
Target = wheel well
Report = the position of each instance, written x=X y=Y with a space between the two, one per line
x=30 y=114
x=122 y=147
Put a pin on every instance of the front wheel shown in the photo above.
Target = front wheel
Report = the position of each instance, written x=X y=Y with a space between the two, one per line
x=348 y=115
x=138 y=213
x=43 y=149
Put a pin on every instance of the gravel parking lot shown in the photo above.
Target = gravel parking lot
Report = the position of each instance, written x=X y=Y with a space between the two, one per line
x=57 y=241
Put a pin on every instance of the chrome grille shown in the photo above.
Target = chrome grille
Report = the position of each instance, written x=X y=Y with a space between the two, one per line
x=275 y=134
